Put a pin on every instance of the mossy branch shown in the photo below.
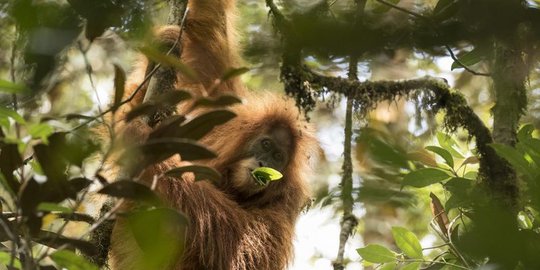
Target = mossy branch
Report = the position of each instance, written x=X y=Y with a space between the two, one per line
x=307 y=86
x=436 y=96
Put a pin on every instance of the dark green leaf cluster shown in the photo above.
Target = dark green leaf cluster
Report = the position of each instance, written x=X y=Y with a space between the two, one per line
x=50 y=189
x=466 y=239
x=46 y=29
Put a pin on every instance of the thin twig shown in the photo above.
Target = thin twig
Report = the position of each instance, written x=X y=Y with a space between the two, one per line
x=463 y=65
x=437 y=246
x=123 y=102
x=452 y=246
x=89 y=71
x=182 y=23
x=432 y=262
x=412 y=13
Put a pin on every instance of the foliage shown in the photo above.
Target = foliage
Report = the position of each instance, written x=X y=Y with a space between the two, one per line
x=47 y=170
x=264 y=175
x=42 y=185
x=456 y=223
x=484 y=203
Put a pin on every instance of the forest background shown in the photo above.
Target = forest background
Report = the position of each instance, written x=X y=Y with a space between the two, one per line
x=427 y=113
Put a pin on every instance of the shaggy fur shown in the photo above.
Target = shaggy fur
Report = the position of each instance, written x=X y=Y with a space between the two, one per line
x=228 y=229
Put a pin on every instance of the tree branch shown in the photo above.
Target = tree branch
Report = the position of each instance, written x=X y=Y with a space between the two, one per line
x=463 y=65
x=349 y=221
x=437 y=96
x=164 y=81
x=306 y=86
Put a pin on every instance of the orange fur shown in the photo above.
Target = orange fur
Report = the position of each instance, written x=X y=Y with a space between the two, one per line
x=228 y=229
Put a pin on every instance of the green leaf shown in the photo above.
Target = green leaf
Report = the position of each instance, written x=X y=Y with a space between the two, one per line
x=119 y=85
x=425 y=177
x=188 y=149
x=458 y=185
x=423 y=156
x=202 y=124
x=386 y=153
x=160 y=234
x=5 y=259
x=11 y=88
x=221 y=101
x=460 y=189
x=471 y=160
x=40 y=131
x=201 y=172
x=5 y=112
x=71 y=261
x=167 y=127
x=76 y=116
x=455 y=201
x=147 y=108
x=527 y=147
x=469 y=58
x=532 y=145
x=448 y=143
x=11 y=159
x=525 y=132
x=53 y=207
x=4 y=122
x=442 y=153
x=411 y=266
x=514 y=157
x=381 y=193
x=156 y=150
x=57 y=241
x=162 y=101
x=377 y=254
x=389 y=266
x=169 y=60
x=407 y=242
x=7 y=187
x=264 y=175
x=131 y=190
x=473 y=175
x=171 y=98
x=235 y=72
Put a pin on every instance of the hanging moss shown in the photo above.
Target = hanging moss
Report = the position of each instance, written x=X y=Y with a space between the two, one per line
x=436 y=96
x=306 y=86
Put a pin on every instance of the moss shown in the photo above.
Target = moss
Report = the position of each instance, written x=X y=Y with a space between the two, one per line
x=435 y=96
x=101 y=238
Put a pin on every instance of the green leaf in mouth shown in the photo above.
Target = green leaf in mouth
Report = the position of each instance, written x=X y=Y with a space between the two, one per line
x=264 y=175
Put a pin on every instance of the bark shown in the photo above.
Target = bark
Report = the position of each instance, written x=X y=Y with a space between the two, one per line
x=509 y=73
